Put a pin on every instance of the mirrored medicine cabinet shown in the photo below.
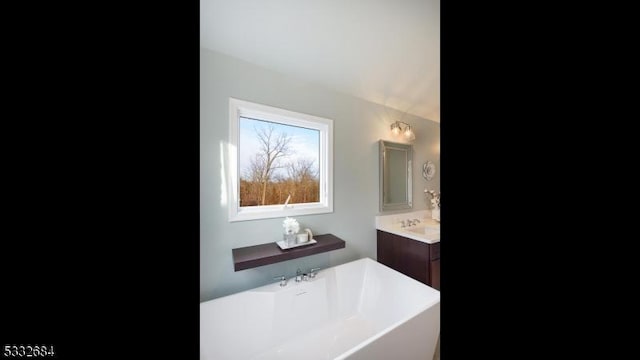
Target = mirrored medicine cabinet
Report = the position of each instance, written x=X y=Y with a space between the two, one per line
x=395 y=176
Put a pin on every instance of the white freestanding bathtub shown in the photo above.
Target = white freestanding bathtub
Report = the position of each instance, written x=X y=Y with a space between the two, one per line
x=359 y=310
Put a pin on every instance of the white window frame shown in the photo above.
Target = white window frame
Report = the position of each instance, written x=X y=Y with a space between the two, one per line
x=238 y=108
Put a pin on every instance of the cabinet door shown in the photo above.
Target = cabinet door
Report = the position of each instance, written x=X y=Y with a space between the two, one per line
x=435 y=274
x=405 y=255
x=416 y=259
x=386 y=253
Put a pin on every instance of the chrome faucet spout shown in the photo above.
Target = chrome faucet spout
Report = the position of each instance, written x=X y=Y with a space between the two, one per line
x=283 y=280
x=313 y=272
x=410 y=222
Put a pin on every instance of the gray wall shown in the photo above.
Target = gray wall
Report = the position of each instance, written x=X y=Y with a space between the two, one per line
x=358 y=126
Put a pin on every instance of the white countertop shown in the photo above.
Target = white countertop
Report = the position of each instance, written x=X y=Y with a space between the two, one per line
x=392 y=224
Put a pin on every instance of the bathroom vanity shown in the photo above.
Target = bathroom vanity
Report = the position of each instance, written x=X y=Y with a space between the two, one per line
x=413 y=250
x=413 y=258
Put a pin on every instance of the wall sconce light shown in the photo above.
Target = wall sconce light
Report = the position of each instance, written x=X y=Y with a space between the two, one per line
x=396 y=129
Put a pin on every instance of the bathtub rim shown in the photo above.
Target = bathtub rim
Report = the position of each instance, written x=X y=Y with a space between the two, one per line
x=428 y=304
x=363 y=259
x=396 y=324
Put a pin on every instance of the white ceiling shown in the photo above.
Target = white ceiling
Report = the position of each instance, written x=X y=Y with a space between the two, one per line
x=384 y=51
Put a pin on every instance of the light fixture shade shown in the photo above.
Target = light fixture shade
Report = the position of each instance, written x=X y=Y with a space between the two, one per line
x=395 y=128
x=408 y=132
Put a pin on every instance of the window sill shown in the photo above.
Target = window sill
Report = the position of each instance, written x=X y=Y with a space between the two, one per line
x=277 y=211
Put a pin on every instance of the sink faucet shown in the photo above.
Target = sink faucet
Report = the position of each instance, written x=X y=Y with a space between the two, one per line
x=298 y=275
x=410 y=222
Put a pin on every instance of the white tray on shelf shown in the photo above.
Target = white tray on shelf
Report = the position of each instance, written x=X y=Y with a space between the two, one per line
x=284 y=246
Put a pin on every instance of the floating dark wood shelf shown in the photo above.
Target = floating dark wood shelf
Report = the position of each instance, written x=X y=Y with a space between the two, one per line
x=265 y=254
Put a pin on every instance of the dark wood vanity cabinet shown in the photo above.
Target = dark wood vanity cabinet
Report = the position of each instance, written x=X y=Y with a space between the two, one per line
x=413 y=258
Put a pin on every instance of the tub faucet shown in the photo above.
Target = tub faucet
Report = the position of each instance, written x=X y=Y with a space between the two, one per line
x=313 y=272
x=298 y=275
x=283 y=280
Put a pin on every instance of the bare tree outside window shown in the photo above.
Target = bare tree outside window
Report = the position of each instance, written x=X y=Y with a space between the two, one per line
x=277 y=162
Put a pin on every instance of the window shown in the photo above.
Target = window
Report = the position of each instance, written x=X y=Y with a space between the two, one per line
x=280 y=162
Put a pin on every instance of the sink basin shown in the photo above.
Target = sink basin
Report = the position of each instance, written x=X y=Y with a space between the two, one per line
x=425 y=230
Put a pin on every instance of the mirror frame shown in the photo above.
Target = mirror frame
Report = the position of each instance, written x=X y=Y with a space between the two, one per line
x=384 y=145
